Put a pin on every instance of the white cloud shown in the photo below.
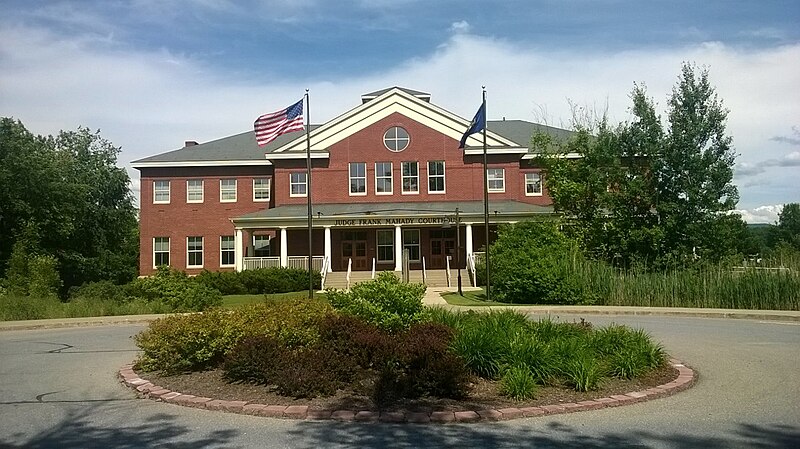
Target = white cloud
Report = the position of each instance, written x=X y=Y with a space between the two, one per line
x=151 y=101
x=761 y=214
x=459 y=27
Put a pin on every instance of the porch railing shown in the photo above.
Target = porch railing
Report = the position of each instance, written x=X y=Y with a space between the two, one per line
x=254 y=263
x=301 y=262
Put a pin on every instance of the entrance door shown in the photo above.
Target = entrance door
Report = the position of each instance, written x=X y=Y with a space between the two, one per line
x=442 y=244
x=354 y=246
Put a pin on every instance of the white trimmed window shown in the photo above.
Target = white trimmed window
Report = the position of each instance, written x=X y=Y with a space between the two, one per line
x=194 y=252
x=358 y=178
x=497 y=179
x=161 y=192
x=227 y=251
x=436 y=177
x=533 y=184
x=261 y=246
x=227 y=190
x=411 y=243
x=383 y=178
x=261 y=189
x=410 y=177
x=385 y=239
x=194 y=191
x=297 y=184
x=160 y=251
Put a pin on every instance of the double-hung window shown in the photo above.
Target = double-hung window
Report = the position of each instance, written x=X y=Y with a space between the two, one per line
x=497 y=179
x=533 y=184
x=194 y=191
x=160 y=251
x=297 y=184
x=227 y=251
x=385 y=239
x=161 y=192
x=358 y=178
x=383 y=178
x=410 y=177
x=194 y=252
x=411 y=243
x=436 y=177
x=261 y=189
x=227 y=190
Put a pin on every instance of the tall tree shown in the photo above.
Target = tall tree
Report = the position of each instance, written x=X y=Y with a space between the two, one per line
x=647 y=191
x=66 y=194
x=789 y=224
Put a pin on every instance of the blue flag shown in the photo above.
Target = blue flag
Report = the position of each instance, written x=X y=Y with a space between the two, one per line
x=478 y=124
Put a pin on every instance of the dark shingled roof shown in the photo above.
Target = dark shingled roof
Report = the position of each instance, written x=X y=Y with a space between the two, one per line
x=466 y=208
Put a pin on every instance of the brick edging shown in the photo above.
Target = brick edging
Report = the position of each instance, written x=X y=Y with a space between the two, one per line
x=686 y=378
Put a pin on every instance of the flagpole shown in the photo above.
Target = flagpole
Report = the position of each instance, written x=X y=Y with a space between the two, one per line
x=485 y=195
x=308 y=197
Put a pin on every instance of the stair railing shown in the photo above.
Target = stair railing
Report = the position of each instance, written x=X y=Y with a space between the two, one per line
x=471 y=269
x=349 y=272
x=373 y=268
x=424 y=272
x=326 y=261
x=448 y=271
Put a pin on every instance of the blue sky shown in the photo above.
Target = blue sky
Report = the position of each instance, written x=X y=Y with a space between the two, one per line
x=152 y=73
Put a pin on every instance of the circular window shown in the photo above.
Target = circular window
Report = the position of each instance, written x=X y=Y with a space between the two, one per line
x=396 y=139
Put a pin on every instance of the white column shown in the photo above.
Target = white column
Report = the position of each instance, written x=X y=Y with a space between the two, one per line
x=284 y=248
x=398 y=249
x=328 y=252
x=237 y=250
x=469 y=239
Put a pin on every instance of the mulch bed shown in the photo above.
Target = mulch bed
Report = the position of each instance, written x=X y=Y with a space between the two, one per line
x=483 y=395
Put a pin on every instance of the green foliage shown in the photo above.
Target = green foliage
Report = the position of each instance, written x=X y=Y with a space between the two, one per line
x=384 y=301
x=43 y=281
x=226 y=282
x=176 y=290
x=582 y=371
x=101 y=290
x=259 y=281
x=645 y=194
x=531 y=264
x=69 y=195
x=195 y=341
x=518 y=383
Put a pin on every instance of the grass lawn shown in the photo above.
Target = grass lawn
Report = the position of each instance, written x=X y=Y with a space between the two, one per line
x=470 y=298
x=232 y=301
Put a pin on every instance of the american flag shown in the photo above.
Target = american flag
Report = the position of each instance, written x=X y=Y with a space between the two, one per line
x=269 y=126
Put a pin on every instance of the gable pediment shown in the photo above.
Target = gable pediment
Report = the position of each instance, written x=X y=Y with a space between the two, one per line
x=394 y=101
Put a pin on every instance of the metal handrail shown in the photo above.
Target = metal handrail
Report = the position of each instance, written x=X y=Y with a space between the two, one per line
x=471 y=268
x=324 y=271
x=373 y=268
x=349 y=271
x=448 y=271
x=424 y=272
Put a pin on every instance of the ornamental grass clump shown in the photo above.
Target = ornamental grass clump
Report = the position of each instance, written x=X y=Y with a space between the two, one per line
x=519 y=383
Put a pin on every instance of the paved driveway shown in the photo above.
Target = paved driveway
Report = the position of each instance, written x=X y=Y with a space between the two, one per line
x=58 y=390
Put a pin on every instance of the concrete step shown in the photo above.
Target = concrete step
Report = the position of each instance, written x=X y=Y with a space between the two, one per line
x=434 y=278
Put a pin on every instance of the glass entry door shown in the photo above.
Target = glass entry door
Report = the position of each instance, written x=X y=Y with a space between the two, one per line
x=443 y=244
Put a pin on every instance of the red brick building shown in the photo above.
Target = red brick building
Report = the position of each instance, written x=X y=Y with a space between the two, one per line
x=387 y=176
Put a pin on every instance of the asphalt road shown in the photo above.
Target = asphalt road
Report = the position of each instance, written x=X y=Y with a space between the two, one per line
x=58 y=390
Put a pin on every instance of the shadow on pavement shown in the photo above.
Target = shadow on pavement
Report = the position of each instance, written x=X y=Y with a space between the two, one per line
x=552 y=435
x=77 y=430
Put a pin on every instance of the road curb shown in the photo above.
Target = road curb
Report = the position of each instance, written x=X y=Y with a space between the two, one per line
x=145 y=389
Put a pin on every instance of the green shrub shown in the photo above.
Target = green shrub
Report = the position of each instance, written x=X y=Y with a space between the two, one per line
x=386 y=302
x=518 y=383
x=482 y=352
x=101 y=290
x=44 y=280
x=19 y=307
x=531 y=265
x=254 y=359
x=535 y=356
x=172 y=287
x=227 y=282
x=277 y=280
